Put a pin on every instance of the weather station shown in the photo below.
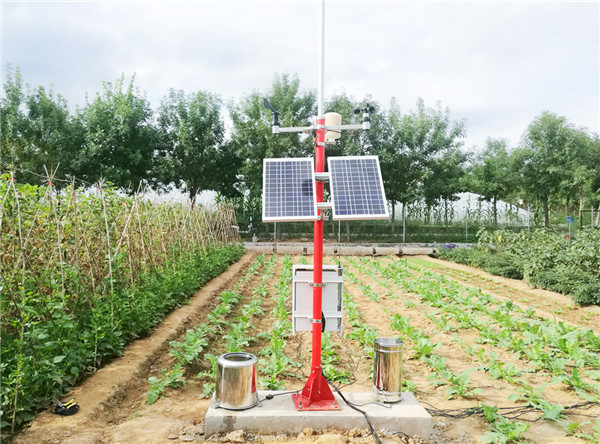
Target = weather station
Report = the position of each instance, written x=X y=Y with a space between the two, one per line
x=294 y=190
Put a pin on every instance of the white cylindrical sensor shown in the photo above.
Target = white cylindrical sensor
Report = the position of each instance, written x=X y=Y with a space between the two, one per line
x=332 y=119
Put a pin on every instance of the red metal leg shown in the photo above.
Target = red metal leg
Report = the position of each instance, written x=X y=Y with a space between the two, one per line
x=316 y=394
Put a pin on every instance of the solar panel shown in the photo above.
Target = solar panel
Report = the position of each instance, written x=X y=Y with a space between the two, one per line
x=356 y=188
x=289 y=190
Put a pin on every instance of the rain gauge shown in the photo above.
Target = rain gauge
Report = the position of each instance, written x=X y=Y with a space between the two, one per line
x=293 y=190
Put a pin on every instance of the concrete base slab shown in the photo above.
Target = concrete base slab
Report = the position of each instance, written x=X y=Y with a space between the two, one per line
x=279 y=415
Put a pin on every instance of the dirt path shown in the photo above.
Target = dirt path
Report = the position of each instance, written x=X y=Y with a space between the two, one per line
x=113 y=401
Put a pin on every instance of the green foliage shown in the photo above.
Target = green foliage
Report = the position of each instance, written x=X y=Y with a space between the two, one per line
x=502 y=370
x=194 y=156
x=491 y=175
x=562 y=350
x=75 y=291
x=553 y=157
x=169 y=378
x=458 y=255
x=458 y=384
x=274 y=362
x=252 y=139
x=189 y=349
x=330 y=361
x=544 y=258
x=503 y=431
x=594 y=439
x=425 y=145
x=120 y=141
x=37 y=130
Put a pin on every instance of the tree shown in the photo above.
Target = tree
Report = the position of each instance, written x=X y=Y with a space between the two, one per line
x=593 y=161
x=445 y=179
x=414 y=151
x=54 y=138
x=357 y=142
x=120 y=141
x=542 y=161
x=349 y=142
x=37 y=131
x=581 y=170
x=12 y=118
x=193 y=154
x=252 y=138
x=491 y=173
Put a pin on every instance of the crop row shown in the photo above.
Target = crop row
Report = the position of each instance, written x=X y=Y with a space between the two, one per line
x=561 y=349
x=190 y=349
x=554 y=347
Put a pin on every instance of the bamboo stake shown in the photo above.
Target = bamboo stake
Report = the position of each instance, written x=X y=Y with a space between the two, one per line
x=18 y=204
x=73 y=200
x=20 y=361
x=137 y=211
x=110 y=273
x=161 y=231
x=125 y=228
x=50 y=192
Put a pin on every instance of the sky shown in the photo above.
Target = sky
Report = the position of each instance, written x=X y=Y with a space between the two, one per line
x=495 y=64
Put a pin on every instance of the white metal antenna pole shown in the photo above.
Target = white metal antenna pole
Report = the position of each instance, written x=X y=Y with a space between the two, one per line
x=320 y=111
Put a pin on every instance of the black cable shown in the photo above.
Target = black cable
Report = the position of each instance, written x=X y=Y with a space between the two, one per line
x=272 y=395
x=380 y=404
x=352 y=406
x=507 y=412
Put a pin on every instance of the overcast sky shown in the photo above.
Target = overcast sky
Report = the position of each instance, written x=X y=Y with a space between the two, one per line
x=497 y=65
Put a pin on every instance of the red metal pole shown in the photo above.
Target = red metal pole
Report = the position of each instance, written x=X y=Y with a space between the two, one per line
x=316 y=394
x=318 y=247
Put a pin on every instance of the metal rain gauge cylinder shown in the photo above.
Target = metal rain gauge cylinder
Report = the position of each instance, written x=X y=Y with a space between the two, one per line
x=236 y=381
x=387 y=371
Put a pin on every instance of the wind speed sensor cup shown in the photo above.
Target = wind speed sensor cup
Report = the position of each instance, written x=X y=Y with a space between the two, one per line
x=366 y=111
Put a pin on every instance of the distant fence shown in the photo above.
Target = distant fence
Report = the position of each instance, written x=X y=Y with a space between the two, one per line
x=367 y=231
x=440 y=223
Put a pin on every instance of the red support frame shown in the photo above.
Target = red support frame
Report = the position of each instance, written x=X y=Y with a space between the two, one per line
x=316 y=394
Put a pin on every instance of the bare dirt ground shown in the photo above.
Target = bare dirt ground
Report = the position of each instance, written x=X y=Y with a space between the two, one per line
x=113 y=401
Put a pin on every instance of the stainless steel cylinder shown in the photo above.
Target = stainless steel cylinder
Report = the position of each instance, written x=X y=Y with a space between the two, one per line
x=236 y=381
x=387 y=371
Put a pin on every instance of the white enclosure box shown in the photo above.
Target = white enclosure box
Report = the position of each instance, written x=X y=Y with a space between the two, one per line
x=302 y=297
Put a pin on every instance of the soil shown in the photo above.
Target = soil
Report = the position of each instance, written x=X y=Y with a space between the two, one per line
x=113 y=400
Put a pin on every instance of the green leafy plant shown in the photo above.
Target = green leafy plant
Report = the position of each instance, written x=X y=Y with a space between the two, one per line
x=168 y=378
x=502 y=430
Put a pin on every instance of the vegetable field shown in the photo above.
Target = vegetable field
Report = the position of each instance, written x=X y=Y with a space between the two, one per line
x=543 y=258
x=491 y=359
x=83 y=273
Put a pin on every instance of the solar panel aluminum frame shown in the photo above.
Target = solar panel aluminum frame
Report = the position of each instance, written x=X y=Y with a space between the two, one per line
x=297 y=218
x=358 y=216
